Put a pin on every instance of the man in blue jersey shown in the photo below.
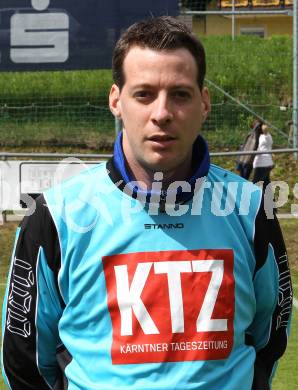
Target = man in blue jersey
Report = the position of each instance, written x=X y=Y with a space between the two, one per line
x=156 y=270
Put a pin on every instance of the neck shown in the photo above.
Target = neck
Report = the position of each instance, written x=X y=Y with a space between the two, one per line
x=145 y=176
x=191 y=170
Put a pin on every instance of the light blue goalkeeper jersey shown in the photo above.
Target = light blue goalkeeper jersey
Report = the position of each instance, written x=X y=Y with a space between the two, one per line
x=108 y=291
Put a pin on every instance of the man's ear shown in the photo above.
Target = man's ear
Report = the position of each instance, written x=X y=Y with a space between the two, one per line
x=206 y=104
x=114 y=101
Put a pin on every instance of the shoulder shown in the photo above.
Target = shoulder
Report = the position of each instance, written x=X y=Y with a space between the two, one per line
x=244 y=192
x=77 y=200
x=87 y=180
x=217 y=173
x=37 y=230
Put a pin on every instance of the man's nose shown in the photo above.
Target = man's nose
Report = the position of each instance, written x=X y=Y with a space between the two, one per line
x=162 y=112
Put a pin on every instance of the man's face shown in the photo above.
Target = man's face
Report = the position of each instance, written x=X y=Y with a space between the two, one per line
x=162 y=109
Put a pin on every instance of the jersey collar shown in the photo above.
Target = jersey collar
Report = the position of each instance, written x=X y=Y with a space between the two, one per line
x=200 y=163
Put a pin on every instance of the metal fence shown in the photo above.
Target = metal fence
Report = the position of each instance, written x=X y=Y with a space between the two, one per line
x=34 y=115
x=236 y=15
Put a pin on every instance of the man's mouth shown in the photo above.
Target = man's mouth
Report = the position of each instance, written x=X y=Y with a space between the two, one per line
x=162 y=139
x=162 y=142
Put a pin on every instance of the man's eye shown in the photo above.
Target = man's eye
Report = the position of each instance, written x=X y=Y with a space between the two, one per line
x=182 y=95
x=142 y=95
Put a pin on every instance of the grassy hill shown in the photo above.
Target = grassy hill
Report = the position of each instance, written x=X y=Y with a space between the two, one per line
x=58 y=109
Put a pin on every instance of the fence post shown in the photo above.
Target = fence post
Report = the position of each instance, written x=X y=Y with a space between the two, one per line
x=295 y=76
x=3 y=218
x=233 y=21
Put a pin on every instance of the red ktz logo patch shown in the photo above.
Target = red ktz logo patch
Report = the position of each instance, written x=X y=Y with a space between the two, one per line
x=171 y=306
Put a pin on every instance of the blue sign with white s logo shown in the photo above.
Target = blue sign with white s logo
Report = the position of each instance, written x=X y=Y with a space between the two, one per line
x=63 y=34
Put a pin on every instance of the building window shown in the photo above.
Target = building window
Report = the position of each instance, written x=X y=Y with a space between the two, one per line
x=229 y=3
x=254 y=3
x=257 y=31
x=265 y=3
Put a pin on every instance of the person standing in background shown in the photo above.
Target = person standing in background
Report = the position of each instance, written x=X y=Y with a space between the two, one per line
x=245 y=161
x=263 y=163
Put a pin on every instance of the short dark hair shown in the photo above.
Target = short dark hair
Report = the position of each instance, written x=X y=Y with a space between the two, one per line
x=161 y=33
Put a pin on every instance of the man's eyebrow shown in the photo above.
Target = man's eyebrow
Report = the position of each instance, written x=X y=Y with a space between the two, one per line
x=172 y=87
x=142 y=85
x=183 y=86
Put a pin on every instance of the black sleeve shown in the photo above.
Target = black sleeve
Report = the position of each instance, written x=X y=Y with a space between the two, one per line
x=269 y=247
x=20 y=351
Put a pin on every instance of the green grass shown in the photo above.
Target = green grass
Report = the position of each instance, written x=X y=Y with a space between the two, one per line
x=286 y=377
x=257 y=72
x=44 y=85
x=253 y=61
x=50 y=133
x=287 y=374
x=247 y=64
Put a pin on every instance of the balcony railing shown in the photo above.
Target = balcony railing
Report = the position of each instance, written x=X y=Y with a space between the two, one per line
x=255 y=3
